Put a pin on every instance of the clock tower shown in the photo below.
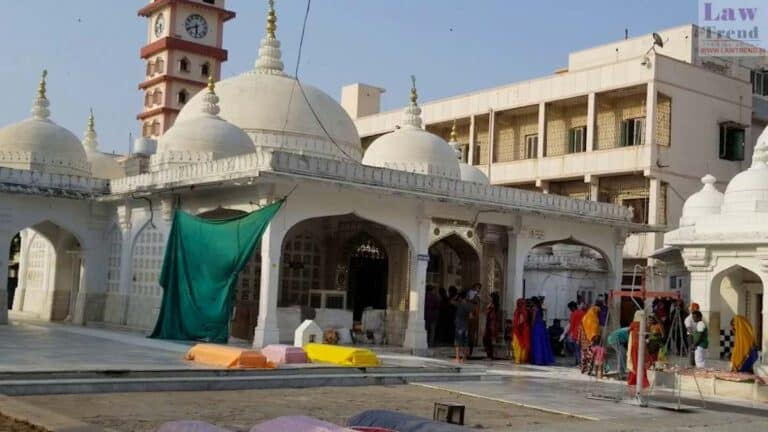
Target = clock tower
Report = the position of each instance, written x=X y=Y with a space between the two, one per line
x=184 y=47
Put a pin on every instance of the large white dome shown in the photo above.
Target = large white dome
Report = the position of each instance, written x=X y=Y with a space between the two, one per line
x=707 y=201
x=40 y=144
x=270 y=107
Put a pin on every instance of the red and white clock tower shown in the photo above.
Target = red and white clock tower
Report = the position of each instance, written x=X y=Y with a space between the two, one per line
x=184 y=47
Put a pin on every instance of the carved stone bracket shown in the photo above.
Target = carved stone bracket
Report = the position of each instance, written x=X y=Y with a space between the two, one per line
x=761 y=253
x=532 y=232
x=696 y=257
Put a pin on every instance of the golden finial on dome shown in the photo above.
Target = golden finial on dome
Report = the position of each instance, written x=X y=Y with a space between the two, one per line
x=41 y=88
x=211 y=84
x=414 y=95
x=453 y=132
x=271 y=20
x=91 y=121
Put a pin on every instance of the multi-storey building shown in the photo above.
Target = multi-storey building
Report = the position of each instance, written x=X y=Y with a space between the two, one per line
x=184 y=47
x=633 y=122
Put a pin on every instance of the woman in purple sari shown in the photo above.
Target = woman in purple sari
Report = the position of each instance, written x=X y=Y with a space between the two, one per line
x=541 y=350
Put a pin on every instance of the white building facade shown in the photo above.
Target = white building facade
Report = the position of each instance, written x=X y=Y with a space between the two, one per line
x=622 y=124
x=723 y=240
x=357 y=232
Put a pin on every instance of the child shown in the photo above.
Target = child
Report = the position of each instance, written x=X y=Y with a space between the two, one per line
x=598 y=358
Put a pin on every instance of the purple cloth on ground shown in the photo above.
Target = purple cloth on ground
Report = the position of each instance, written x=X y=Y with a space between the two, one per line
x=189 y=426
x=401 y=422
x=297 y=424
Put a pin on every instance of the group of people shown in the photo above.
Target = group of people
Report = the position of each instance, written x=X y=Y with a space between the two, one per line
x=530 y=336
x=453 y=316
x=626 y=342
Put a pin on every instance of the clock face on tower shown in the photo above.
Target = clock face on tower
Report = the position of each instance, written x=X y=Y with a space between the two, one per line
x=159 y=25
x=196 y=26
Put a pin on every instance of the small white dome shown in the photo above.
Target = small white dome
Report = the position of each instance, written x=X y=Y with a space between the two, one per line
x=206 y=132
x=707 y=201
x=54 y=149
x=415 y=150
x=747 y=192
x=104 y=166
x=411 y=148
x=472 y=174
x=206 y=135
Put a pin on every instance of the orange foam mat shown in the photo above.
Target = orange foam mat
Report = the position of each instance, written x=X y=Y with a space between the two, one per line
x=228 y=357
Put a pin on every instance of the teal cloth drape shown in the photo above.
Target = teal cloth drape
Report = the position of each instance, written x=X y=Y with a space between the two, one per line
x=200 y=270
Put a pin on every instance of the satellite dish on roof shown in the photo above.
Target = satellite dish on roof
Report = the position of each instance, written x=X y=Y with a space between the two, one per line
x=657 y=41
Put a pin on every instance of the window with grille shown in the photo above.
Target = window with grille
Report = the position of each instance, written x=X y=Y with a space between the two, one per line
x=182 y=97
x=147 y=261
x=531 y=146
x=205 y=70
x=732 y=138
x=301 y=270
x=759 y=80
x=639 y=207
x=113 y=262
x=632 y=132
x=577 y=139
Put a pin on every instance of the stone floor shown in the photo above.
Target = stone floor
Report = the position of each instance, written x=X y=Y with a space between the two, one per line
x=31 y=347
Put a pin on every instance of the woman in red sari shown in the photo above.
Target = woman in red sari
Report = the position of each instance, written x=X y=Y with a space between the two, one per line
x=632 y=354
x=521 y=333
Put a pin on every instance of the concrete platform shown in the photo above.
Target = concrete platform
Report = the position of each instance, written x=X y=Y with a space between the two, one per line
x=43 y=358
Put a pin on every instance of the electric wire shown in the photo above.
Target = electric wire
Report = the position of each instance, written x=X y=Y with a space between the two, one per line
x=304 y=94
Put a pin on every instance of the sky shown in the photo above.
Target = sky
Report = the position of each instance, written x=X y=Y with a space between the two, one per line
x=91 y=48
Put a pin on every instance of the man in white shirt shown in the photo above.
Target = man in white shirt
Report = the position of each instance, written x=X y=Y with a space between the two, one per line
x=689 y=327
x=700 y=339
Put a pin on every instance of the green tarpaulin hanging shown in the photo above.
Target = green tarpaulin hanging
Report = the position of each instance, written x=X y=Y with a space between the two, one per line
x=202 y=262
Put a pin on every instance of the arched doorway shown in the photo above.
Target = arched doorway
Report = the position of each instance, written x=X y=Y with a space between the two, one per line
x=47 y=272
x=453 y=262
x=334 y=268
x=563 y=271
x=454 y=266
x=367 y=286
x=735 y=291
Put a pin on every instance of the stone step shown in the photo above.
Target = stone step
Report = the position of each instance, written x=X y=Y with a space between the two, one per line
x=58 y=385
x=213 y=372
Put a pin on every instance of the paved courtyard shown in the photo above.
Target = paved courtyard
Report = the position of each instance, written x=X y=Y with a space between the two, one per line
x=511 y=398
x=27 y=346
